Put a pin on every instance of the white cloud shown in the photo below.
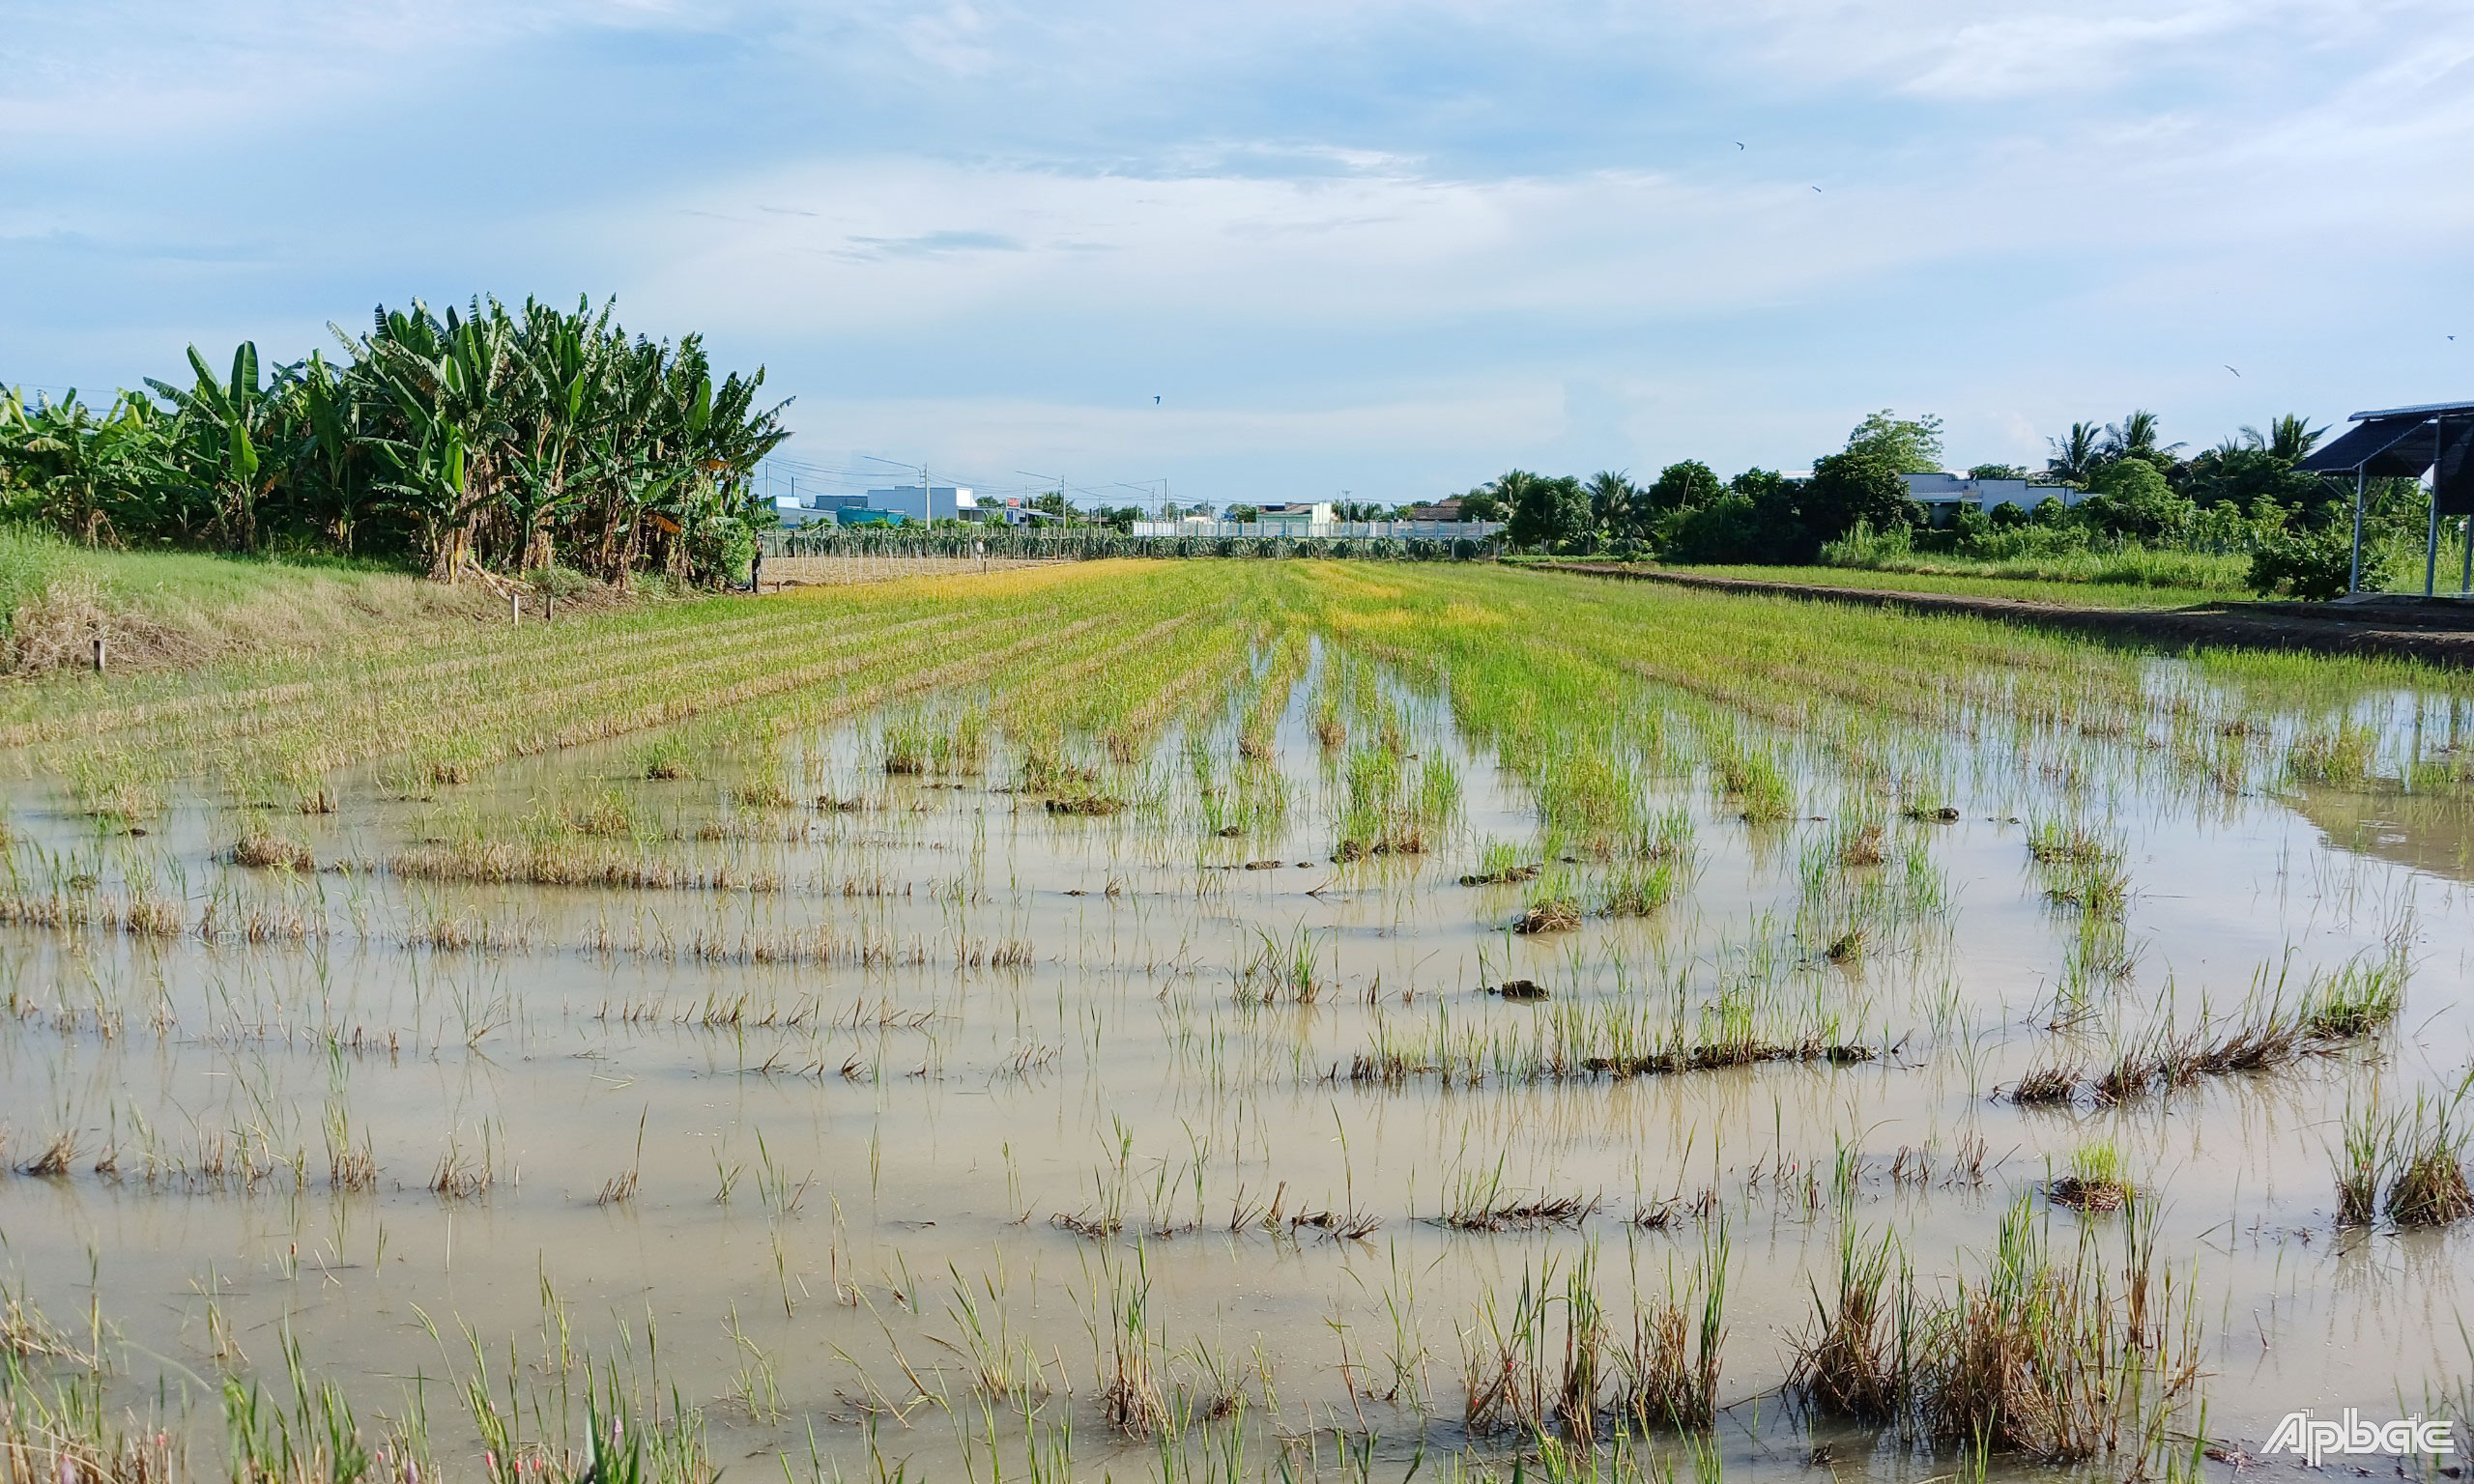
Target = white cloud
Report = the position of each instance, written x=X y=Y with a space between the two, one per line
x=900 y=241
x=2026 y=209
x=999 y=433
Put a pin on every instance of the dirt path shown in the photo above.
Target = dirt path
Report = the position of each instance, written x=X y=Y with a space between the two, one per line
x=2438 y=636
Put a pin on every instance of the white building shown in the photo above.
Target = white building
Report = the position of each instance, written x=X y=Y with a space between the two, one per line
x=815 y=509
x=1295 y=519
x=924 y=501
x=1324 y=530
x=1943 y=491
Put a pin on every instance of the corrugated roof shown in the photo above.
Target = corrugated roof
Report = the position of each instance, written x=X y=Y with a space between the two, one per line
x=2380 y=446
x=2426 y=410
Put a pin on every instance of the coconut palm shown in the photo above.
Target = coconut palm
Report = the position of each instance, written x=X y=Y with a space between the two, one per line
x=2290 y=437
x=1615 y=501
x=2076 y=454
x=2135 y=437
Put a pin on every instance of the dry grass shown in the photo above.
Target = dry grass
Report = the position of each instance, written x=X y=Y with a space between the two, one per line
x=552 y=863
x=160 y=610
x=55 y=1158
x=2427 y=1153
x=2094 y=1181
x=2332 y=1012
x=262 y=849
x=1087 y=1225
x=621 y=1188
x=1554 y=914
x=1857 y=1358
x=1515 y=1213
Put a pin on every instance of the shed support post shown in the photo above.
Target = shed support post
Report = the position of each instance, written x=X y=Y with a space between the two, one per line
x=2353 y=582
x=2465 y=575
x=2431 y=548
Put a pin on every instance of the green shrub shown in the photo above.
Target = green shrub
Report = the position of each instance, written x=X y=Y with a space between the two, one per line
x=556 y=582
x=2310 y=564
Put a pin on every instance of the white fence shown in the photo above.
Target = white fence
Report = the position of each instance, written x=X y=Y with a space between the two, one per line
x=1324 y=530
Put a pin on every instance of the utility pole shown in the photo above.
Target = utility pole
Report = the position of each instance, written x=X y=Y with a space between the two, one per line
x=1057 y=482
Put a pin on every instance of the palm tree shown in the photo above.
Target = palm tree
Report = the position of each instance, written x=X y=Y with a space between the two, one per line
x=2135 y=437
x=2076 y=454
x=2290 y=437
x=1614 y=501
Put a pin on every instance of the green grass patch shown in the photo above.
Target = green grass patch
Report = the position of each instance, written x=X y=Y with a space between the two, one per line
x=1958 y=579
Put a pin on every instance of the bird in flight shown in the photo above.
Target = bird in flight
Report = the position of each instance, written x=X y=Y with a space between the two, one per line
x=1155 y=401
x=1816 y=190
x=1739 y=144
x=2229 y=368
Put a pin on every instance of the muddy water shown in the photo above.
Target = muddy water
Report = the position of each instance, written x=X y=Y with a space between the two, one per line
x=817 y=1198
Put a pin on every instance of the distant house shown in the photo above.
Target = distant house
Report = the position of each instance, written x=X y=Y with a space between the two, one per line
x=1938 y=493
x=1440 y=510
x=1296 y=519
x=815 y=509
x=924 y=501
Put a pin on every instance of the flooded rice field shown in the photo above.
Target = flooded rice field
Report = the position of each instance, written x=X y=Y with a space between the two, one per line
x=1243 y=1020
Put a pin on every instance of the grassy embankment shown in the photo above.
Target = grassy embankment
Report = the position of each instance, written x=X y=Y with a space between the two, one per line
x=1962 y=580
x=183 y=608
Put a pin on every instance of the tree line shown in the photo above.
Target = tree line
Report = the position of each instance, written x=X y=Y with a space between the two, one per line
x=2117 y=480
x=511 y=439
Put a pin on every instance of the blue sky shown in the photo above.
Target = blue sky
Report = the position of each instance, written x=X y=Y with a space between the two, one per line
x=1372 y=245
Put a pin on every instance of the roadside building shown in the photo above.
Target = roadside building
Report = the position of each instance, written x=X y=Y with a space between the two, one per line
x=815 y=509
x=924 y=501
x=1295 y=519
x=1940 y=494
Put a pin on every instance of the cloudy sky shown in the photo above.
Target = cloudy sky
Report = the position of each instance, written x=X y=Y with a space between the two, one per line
x=1389 y=246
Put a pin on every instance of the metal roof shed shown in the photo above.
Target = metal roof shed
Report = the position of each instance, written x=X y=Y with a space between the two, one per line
x=2403 y=442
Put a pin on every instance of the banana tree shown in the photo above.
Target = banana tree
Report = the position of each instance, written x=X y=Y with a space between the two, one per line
x=221 y=423
x=69 y=467
x=445 y=385
x=330 y=448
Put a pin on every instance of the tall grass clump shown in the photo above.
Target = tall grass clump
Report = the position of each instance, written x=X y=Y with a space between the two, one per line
x=1500 y=862
x=2362 y=1164
x=1285 y=969
x=2424 y=1160
x=2338 y=756
x=2082 y=868
x=1754 y=783
x=1671 y=1375
x=2057 y=1358
x=1857 y=1359
x=2094 y=1181
x=1636 y=889
x=1543 y=1369
x=1387 y=810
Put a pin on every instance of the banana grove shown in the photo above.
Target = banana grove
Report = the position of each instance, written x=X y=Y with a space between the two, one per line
x=509 y=439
